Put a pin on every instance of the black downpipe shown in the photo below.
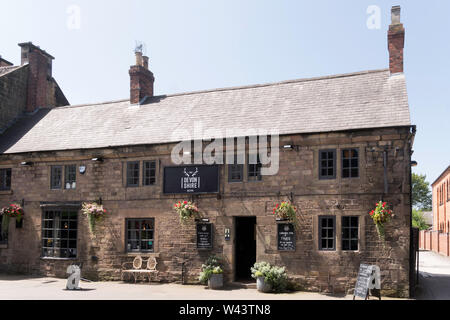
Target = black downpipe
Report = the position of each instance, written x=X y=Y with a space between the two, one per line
x=385 y=172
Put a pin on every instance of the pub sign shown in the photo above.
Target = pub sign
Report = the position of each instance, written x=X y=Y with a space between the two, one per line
x=191 y=179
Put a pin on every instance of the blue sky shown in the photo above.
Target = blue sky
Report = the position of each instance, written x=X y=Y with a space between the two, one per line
x=196 y=45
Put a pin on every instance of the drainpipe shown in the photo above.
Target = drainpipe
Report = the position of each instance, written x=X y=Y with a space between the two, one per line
x=385 y=172
x=182 y=272
x=412 y=291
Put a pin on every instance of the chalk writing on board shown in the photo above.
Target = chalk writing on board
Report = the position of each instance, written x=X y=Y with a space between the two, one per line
x=286 y=237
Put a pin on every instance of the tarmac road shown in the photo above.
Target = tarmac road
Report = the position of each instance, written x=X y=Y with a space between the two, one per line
x=434 y=276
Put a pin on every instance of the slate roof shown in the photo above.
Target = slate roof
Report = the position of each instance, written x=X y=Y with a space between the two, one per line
x=368 y=99
x=7 y=69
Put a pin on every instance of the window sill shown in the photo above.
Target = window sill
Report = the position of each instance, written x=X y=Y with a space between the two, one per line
x=5 y=192
x=254 y=180
x=3 y=246
x=142 y=254
x=58 y=259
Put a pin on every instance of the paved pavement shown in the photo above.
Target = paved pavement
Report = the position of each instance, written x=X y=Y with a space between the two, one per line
x=27 y=288
x=434 y=276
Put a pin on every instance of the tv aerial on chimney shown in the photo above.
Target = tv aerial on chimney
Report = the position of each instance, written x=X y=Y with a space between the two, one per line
x=140 y=47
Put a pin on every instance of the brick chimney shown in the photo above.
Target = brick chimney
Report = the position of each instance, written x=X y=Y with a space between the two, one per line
x=40 y=72
x=141 y=79
x=396 y=41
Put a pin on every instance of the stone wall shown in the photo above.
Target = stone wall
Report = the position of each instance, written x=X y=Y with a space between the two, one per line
x=13 y=95
x=103 y=253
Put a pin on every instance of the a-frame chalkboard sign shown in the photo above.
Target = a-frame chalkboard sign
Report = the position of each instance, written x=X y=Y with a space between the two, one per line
x=368 y=279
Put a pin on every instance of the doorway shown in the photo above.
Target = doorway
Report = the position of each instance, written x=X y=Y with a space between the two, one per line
x=245 y=247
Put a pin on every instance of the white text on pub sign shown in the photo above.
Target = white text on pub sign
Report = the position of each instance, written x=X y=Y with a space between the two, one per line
x=190 y=182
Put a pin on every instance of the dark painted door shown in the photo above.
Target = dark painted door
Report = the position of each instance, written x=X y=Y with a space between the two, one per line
x=245 y=250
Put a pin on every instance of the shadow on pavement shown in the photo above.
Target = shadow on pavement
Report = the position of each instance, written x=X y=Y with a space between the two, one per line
x=81 y=289
x=433 y=286
x=18 y=277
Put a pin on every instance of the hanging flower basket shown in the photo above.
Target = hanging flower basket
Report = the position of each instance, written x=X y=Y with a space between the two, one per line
x=380 y=216
x=286 y=211
x=186 y=210
x=12 y=211
x=95 y=212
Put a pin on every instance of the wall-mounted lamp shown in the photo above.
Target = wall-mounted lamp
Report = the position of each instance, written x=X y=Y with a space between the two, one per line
x=205 y=220
x=97 y=159
x=290 y=147
x=414 y=163
x=26 y=164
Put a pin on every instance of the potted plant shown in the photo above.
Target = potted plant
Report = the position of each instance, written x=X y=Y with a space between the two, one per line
x=286 y=211
x=269 y=278
x=12 y=211
x=259 y=270
x=95 y=212
x=186 y=210
x=380 y=216
x=216 y=278
x=212 y=273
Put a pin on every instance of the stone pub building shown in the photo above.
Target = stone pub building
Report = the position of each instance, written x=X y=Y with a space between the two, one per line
x=345 y=143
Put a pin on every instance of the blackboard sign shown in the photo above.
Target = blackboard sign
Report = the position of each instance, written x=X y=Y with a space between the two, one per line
x=363 y=281
x=204 y=236
x=191 y=179
x=286 y=237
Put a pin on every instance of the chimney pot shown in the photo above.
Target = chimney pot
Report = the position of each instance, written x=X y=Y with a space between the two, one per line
x=145 y=62
x=139 y=58
x=395 y=15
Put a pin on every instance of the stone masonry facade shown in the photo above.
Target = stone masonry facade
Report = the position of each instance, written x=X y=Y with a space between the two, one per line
x=103 y=252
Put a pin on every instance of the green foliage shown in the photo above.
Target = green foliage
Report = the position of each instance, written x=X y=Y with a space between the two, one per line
x=418 y=221
x=211 y=266
x=421 y=194
x=275 y=276
x=186 y=210
x=5 y=224
x=287 y=210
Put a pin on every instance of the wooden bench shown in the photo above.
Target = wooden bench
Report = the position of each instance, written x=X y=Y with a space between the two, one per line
x=140 y=268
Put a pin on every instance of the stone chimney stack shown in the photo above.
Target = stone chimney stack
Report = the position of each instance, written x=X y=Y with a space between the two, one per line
x=40 y=72
x=396 y=41
x=141 y=79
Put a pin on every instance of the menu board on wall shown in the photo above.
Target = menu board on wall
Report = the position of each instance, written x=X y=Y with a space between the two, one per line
x=204 y=236
x=286 y=237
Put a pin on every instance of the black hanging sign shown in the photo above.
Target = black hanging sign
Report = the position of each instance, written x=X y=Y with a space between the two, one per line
x=286 y=237
x=204 y=236
x=191 y=179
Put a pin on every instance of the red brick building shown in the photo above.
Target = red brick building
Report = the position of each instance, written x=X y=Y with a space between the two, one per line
x=345 y=143
x=441 y=202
